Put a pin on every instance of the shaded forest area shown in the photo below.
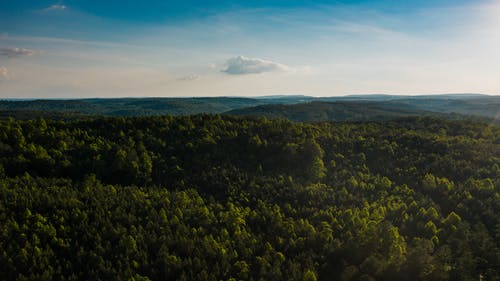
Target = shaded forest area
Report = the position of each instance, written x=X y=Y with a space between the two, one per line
x=210 y=197
x=292 y=107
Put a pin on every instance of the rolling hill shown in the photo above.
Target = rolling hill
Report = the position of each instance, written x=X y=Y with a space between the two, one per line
x=317 y=111
x=293 y=107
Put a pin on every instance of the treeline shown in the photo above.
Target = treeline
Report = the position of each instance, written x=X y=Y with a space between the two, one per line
x=211 y=197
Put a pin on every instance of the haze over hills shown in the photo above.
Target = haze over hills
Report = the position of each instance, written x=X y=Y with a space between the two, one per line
x=293 y=107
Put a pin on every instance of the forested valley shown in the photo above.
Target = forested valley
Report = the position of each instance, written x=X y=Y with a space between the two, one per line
x=214 y=197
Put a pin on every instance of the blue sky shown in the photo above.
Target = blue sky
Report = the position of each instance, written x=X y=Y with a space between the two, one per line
x=90 y=48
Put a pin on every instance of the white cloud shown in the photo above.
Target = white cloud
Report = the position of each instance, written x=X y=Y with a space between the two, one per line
x=241 y=65
x=4 y=73
x=15 y=52
x=56 y=7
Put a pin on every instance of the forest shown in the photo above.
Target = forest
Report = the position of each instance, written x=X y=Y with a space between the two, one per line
x=293 y=107
x=218 y=197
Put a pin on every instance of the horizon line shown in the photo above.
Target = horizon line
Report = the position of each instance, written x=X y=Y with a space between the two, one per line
x=249 y=97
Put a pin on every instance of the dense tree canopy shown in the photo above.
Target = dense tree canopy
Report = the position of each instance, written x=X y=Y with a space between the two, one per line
x=210 y=197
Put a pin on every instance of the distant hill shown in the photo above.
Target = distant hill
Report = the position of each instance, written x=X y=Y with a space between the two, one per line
x=294 y=107
x=132 y=106
x=143 y=106
x=488 y=106
x=391 y=97
x=317 y=111
x=468 y=104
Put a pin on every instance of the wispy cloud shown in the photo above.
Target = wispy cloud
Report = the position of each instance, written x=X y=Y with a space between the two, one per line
x=241 y=65
x=15 y=52
x=4 y=73
x=56 y=7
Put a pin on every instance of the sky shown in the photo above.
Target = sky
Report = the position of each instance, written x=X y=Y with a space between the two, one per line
x=163 y=48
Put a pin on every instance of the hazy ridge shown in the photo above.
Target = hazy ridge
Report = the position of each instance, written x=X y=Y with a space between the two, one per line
x=293 y=107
